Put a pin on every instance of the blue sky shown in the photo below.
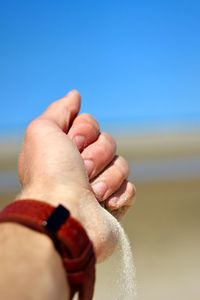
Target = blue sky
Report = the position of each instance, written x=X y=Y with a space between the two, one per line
x=134 y=62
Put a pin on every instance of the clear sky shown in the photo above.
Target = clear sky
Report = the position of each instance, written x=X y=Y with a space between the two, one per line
x=134 y=62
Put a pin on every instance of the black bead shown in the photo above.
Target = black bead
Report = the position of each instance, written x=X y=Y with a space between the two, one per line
x=58 y=217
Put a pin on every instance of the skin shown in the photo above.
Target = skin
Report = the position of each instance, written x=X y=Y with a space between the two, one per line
x=64 y=159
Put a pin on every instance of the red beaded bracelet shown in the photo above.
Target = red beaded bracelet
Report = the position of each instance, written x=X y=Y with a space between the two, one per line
x=69 y=238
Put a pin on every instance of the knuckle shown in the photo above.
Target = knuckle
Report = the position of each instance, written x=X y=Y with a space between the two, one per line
x=101 y=151
x=123 y=166
x=33 y=127
x=110 y=142
x=104 y=148
x=87 y=118
x=131 y=190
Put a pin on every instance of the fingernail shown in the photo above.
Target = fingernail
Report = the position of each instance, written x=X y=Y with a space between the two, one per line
x=99 y=189
x=79 y=140
x=113 y=201
x=70 y=92
x=121 y=200
x=89 y=165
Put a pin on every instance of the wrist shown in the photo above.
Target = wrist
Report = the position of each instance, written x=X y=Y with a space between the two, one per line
x=54 y=196
x=78 y=201
x=68 y=236
x=84 y=207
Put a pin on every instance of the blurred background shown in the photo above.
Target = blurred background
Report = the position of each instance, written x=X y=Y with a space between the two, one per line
x=137 y=67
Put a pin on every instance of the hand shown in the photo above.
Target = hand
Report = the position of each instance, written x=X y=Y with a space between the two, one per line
x=51 y=169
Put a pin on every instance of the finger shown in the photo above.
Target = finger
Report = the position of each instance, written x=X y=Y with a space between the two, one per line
x=63 y=111
x=109 y=181
x=99 y=154
x=84 y=131
x=119 y=213
x=122 y=200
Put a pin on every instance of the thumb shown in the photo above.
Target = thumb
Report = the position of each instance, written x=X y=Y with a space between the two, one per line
x=62 y=112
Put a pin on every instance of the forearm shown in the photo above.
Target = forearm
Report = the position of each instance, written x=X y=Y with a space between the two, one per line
x=31 y=268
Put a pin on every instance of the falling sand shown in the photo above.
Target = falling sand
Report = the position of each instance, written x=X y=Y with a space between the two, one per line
x=116 y=276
